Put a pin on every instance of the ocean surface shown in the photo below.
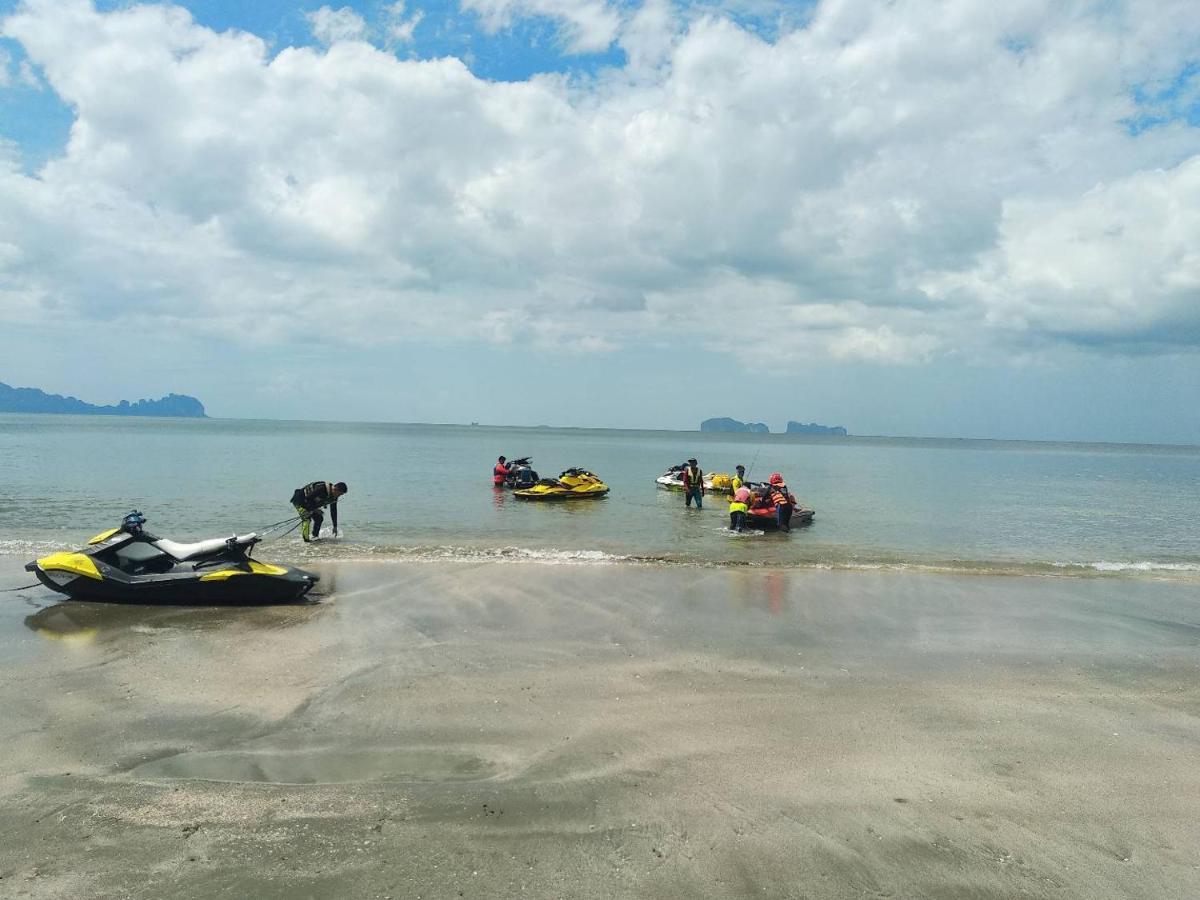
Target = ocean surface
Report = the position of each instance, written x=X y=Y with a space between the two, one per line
x=424 y=492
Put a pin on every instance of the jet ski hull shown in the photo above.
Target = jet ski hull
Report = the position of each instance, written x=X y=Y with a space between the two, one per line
x=129 y=568
x=559 y=496
x=763 y=518
x=573 y=484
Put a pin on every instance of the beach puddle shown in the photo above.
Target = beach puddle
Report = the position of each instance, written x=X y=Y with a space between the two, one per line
x=321 y=766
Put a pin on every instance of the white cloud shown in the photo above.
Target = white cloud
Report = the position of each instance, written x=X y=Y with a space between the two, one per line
x=332 y=25
x=1119 y=264
x=891 y=182
x=588 y=26
x=882 y=344
x=400 y=28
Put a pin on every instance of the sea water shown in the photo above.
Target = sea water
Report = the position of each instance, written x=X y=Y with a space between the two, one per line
x=425 y=492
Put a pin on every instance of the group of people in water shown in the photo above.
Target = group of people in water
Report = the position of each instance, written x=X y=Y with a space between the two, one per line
x=773 y=494
x=771 y=497
x=311 y=499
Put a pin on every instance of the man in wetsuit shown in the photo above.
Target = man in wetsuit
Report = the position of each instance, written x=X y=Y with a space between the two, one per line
x=310 y=499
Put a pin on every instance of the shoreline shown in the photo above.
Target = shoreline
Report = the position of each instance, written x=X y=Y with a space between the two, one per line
x=362 y=553
x=497 y=730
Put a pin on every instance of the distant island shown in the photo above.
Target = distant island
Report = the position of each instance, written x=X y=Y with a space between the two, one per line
x=734 y=426
x=32 y=400
x=813 y=428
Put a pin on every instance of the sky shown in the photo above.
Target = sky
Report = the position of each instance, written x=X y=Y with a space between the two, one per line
x=963 y=219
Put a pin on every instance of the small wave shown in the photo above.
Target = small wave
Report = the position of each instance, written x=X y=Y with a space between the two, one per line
x=332 y=551
x=29 y=549
x=555 y=556
x=1145 y=566
x=545 y=556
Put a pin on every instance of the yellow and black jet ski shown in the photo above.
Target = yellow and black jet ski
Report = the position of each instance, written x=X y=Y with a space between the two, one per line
x=129 y=565
x=573 y=484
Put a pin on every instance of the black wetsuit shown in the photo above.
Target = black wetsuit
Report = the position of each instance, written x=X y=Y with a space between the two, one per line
x=308 y=501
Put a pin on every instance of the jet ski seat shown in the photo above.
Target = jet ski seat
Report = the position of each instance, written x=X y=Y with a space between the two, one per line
x=200 y=548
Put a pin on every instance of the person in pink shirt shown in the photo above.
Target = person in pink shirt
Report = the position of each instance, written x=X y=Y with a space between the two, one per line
x=737 y=508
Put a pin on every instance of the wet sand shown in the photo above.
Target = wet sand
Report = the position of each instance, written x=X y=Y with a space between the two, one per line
x=521 y=730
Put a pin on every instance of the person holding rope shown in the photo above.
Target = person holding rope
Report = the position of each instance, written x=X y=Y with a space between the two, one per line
x=311 y=499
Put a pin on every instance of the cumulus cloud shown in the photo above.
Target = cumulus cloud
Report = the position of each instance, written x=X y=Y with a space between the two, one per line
x=587 y=26
x=1118 y=265
x=331 y=25
x=889 y=182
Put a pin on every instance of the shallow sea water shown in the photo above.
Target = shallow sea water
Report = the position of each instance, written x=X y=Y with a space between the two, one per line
x=424 y=492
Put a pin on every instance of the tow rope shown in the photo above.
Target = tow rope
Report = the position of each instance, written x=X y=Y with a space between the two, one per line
x=294 y=521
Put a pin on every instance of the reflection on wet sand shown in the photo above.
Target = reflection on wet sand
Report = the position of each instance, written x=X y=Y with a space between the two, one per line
x=767 y=591
x=80 y=622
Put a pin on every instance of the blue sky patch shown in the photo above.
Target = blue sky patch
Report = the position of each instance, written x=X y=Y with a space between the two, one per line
x=1177 y=101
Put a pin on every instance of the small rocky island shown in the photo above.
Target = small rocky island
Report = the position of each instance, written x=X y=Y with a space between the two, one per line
x=813 y=428
x=734 y=426
x=32 y=400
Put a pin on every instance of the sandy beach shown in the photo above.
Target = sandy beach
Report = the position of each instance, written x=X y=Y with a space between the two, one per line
x=523 y=730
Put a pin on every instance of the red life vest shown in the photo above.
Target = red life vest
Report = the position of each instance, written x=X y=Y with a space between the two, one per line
x=690 y=480
x=498 y=473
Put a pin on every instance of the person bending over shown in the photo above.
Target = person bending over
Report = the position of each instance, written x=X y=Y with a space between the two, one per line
x=311 y=499
x=737 y=508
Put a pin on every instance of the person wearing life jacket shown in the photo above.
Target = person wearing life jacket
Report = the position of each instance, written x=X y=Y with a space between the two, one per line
x=782 y=501
x=499 y=472
x=693 y=484
x=737 y=508
x=738 y=479
x=309 y=501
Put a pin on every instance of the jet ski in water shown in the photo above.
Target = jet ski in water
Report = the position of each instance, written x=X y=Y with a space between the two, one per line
x=573 y=484
x=520 y=474
x=130 y=565
x=672 y=480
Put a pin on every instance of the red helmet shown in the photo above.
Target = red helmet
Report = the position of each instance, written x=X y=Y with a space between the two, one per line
x=775 y=478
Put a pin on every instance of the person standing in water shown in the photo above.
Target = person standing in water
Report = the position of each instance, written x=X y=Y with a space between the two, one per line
x=693 y=484
x=499 y=472
x=311 y=499
x=738 y=479
x=781 y=499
